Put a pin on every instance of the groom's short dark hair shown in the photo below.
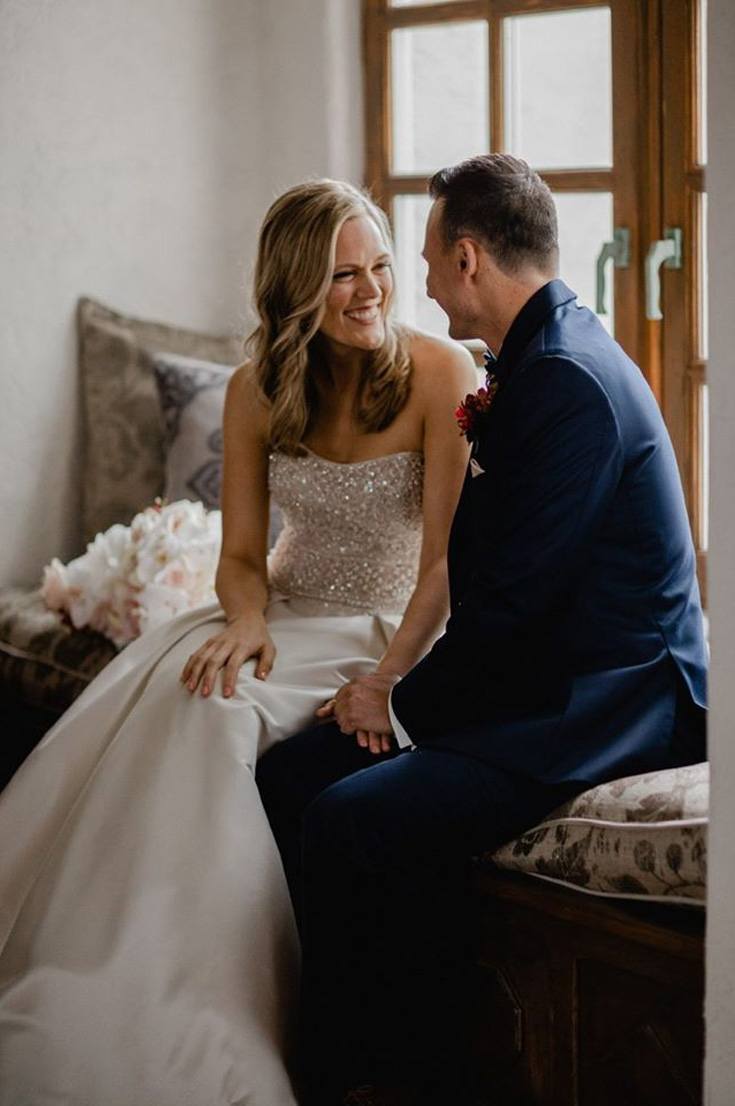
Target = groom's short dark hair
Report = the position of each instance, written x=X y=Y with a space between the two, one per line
x=501 y=201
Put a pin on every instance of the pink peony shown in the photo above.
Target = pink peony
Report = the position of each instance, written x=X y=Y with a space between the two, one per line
x=55 y=586
x=135 y=577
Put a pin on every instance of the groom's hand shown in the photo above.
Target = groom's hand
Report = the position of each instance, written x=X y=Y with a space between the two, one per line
x=361 y=707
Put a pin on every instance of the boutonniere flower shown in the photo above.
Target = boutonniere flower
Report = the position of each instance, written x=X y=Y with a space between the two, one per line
x=474 y=408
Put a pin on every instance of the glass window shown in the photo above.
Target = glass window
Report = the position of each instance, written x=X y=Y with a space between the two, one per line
x=702 y=84
x=413 y=306
x=703 y=305
x=439 y=95
x=585 y=224
x=558 y=88
x=704 y=468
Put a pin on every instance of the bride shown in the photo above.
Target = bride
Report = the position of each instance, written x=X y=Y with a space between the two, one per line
x=148 y=951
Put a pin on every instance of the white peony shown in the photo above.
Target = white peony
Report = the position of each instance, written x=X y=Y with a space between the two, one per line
x=133 y=578
x=55 y=585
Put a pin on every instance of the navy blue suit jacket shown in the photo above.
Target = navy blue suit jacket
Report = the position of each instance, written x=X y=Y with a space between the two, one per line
x=574 y=648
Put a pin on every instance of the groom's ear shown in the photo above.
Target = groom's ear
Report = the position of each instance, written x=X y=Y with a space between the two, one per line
x=467 y=257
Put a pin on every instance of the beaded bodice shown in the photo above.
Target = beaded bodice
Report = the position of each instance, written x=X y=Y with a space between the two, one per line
x=352 y=532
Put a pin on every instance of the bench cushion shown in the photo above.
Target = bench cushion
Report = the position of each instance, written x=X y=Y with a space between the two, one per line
x=45 y=662
x=643 y=837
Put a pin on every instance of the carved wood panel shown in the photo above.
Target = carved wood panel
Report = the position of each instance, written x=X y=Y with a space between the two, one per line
x=583 y=1003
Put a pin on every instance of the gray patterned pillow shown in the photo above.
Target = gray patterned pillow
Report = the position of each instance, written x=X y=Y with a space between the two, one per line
x=124 y=461
x=192 y=395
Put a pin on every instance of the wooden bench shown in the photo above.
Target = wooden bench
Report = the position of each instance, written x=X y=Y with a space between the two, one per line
x=589 y=931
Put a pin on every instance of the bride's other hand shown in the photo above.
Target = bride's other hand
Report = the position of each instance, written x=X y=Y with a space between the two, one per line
x=242 y=639
x=326 y=710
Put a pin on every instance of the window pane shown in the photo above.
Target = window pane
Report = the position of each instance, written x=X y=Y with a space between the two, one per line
x=439 y=91
x=704 y=467
x=413 y=306
x=702 y=85
x=558 y=88
x=703 y=305
x=585 y=224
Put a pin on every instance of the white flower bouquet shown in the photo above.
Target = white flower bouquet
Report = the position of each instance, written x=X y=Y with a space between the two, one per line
x=133 y=578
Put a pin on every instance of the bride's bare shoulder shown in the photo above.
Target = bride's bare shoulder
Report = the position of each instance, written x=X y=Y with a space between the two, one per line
x=244 y=381
x=245 y=400
x=441 y=364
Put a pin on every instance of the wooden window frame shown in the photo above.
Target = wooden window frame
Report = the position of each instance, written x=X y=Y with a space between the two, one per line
x=626 y=186
x=655 y=179
x=683 y=363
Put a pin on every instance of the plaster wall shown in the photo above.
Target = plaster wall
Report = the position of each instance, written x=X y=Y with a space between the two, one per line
x=140 y=145
x=720 y=1058
x=311 y=92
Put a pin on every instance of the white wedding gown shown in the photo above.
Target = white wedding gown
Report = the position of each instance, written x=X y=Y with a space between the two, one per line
x=148 y=952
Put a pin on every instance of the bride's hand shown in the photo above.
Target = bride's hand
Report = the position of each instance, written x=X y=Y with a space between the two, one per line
x=326 y=710
x=241 y=639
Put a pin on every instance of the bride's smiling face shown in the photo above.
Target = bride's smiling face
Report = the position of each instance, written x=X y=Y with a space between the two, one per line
x=362 y=283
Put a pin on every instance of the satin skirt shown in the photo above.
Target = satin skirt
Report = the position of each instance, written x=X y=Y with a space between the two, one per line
x=148 y=951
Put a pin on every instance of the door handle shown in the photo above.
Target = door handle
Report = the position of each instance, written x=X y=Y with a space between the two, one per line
x=619 y=251
x=666 y=251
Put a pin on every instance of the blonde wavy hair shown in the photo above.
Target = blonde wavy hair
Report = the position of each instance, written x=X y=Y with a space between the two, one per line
x=293 y=275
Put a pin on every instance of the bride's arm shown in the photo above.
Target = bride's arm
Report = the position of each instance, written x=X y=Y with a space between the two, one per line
x=443 y=374
x=241 y=582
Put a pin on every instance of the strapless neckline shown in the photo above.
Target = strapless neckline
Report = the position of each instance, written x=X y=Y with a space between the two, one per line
x=367 y=461
x=352 y=529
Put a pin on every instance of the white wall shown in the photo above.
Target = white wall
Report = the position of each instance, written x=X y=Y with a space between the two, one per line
x=720 y=1060
x=311 y=91
x=140 y=145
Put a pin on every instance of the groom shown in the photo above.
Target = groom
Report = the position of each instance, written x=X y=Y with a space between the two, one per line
x=573 y=654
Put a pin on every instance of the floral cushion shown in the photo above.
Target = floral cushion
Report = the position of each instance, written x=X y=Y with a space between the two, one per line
x=44 y=662
x=124 y=432
x=640 y=837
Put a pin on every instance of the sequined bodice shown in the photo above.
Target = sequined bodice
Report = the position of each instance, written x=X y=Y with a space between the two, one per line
x=352 y=532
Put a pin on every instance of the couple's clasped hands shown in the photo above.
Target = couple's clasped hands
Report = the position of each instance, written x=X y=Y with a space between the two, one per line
x=360 y=706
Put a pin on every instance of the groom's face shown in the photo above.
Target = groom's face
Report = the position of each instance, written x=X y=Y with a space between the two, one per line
x=445 y=277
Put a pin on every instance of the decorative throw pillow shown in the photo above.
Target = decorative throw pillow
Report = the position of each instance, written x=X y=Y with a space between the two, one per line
x=192 y=394
x=124 y=462
x=638 y=837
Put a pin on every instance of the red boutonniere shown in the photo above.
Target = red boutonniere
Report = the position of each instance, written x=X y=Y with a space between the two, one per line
x=475 y=407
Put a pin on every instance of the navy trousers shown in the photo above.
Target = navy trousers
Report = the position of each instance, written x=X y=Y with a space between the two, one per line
x=377 y=852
